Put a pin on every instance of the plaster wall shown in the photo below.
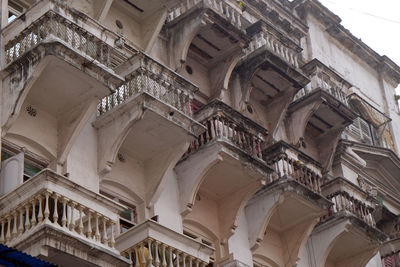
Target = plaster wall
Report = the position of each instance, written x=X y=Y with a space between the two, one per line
x=353 y=69
x=200 y=76
x=82 y=159
x=239 y=242
x=38 y=131
x=167 y=205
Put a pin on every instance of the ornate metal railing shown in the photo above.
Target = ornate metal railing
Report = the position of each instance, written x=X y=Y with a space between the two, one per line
x=222 y=7
x=348 y=198
x=78 y=34
x=155 y=79
x=51 y=199
x=224 y=123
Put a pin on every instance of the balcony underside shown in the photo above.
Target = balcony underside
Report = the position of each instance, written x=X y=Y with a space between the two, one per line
x=347 y=241
x=65 y=249
x=315 y=123
x=56 y=78
x=265 y=66
x=222 y=175
x=289 y=213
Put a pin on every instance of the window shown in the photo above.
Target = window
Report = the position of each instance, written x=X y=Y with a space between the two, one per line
x=127 y=218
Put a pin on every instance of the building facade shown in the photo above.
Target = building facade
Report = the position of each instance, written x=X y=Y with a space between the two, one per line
x=193 y=133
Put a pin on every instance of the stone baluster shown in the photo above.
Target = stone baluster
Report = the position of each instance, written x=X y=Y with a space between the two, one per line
x=40 y=212
x=21 y=221
x=15 y=219
x=2 y=235
x=142 y=254
x=170 y=257
x=64 y=213
x=105 y=236
x=112 y=239
x=80 y=226
x=8 y=235
x=72 y=217
x=89 y=224
x=164 y=261
x=27 y=222
x=46 y=207
x=55 y=212
x=136 y=257
x=97 y=230
x=33 y=220
x=157 y=258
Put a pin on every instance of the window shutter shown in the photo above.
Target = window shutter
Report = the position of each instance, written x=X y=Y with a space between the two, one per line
x=12 y=173
x=365 y=132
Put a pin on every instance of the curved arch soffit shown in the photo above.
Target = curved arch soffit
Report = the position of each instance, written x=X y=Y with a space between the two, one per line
x=203 y=229
x=264 y=259
x=35 y=145
x=120 y=187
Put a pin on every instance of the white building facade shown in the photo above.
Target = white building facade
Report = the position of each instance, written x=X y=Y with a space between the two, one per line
x=193 y=133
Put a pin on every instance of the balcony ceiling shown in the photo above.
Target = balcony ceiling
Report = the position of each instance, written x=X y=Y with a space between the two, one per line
x=142 y=9
x=62 y=87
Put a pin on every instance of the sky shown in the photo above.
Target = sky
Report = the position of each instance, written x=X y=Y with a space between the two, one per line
x=377 y=23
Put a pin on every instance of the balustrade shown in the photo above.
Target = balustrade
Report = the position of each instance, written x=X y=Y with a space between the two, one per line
x=273 y=44
x=221 y=126
x=222 y=7
x=285 y=166
x=152 y=78
x=151 y=252
x=54 y=25
x=346 y=197
x=45 y=204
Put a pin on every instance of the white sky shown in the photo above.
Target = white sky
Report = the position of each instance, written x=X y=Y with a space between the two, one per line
x=377 y=23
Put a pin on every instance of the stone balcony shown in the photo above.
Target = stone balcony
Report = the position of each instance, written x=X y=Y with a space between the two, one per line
x=349 y=200
x=323 y=77
x=228 y=126
x=348 y=234
x=225 y=8
x=151 y=244
x=222 y=169
x=50 y=21
x=54 y=218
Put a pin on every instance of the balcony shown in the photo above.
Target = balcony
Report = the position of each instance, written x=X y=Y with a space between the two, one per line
x=58 y=62
x=54 y=218
x=323 y=77
x=269 y=75
x=221 y=170
x=206 y=37
x=224 y=8
x=151 y=244
x=348 y=231
x=291 y=202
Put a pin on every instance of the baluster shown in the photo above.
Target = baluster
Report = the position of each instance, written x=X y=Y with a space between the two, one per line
x=97 y=230
x=46 y=207
x=2 y=236
x=177 y=258
x=27 y=223
x=136 y=257
x=89 y=225
x=149 y=254
x=8 y=235
x=105 y=236
x=170 y=257
x=15 y=232
x=21 y=221
x=64 y=213
x=112 y=240
x=184 y=260
x=72 y=219
x=142 y=256
x=190 y=261
x=80 y=227
x=40 y=212
x=157 y=258
x=55 y=212
x=164 y=262
x=33 y=220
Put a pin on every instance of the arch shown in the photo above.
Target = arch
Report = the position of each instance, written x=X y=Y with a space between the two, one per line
x=265 y=260
x=109 y=142
x=24 y=88
x=121 y=187
x=203 y=229
x=35 y=146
